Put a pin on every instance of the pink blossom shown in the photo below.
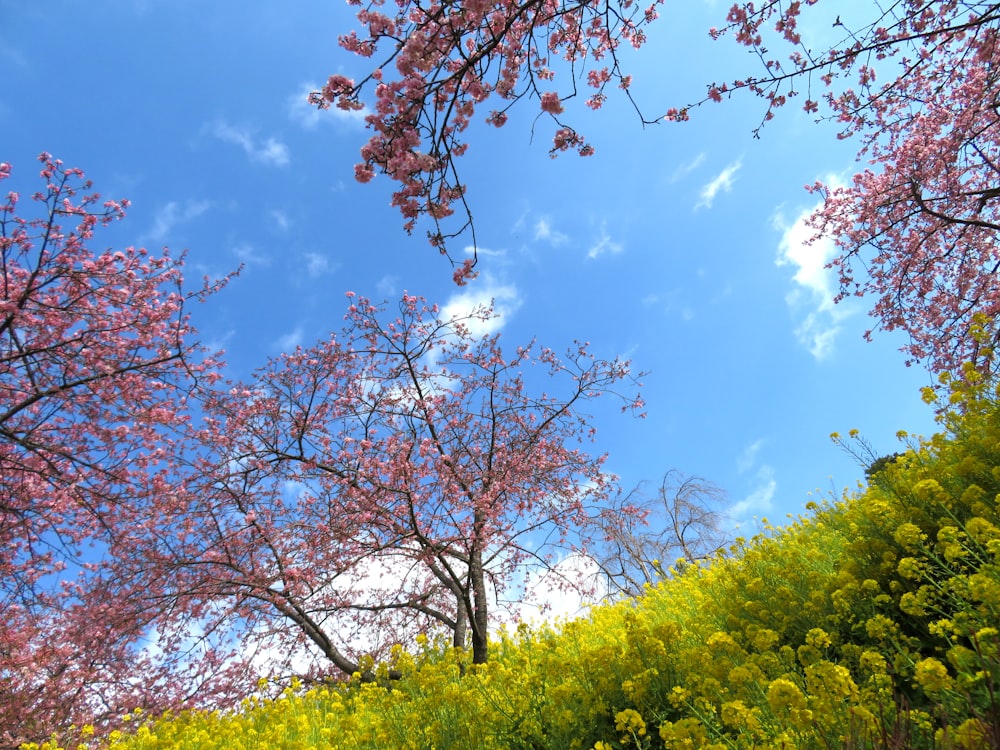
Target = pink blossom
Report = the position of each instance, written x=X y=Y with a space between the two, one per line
x=551 y=103
x=95 y=413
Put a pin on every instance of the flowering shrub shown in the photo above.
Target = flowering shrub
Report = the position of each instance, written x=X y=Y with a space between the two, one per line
x=870 y=623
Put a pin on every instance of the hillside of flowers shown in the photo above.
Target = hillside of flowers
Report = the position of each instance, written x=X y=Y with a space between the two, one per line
x=872 y=622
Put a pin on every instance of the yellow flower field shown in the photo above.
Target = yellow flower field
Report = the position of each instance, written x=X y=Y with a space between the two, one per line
x=870 y=623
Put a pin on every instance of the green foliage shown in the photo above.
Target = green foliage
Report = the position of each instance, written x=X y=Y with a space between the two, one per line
x=871 y=623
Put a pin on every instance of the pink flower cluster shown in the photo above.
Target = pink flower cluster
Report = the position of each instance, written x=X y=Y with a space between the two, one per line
x=917 y=228
x=455 y=57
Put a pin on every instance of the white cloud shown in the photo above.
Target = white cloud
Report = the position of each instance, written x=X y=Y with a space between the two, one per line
x=558 y=592
x=544 y=231
x=269 y=151
x=309 y=116
x=479 y=293
x=809 y=257
x=815 y=284
x=723 y=181
x=272 y=152
x=390 y=575
x=760 y=498
x=817 y=335
x=604 y=245
x=171 y=215
x=685 y=169
x=542 y=594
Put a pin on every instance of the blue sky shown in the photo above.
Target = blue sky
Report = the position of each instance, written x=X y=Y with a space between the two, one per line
x=679 y=245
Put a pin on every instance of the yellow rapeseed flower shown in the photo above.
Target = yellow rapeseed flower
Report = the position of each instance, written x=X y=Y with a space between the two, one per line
x=909 y=536
x=932 y=675
x=630 y=721
x=818 y=638
x=784 y=695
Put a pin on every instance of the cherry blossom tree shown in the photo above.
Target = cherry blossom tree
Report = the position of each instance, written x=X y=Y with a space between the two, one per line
x=96 y=366
x=165 y=539
x=394 y=479
x=915 y=81
x=435 y=62
x=917 y=228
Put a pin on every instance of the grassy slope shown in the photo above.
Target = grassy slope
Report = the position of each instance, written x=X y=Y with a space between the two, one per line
x=871 y=623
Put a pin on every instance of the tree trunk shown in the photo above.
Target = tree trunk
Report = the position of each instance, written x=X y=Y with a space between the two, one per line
x=461 y=633
x=480 y=613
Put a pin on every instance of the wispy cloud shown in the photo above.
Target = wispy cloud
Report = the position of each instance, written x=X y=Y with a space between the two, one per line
x=604 y=245
x=12 y=54
x=287 y=342
x=760 y=498
x=685 y=169
x=811 y=298
x=670 y=302
x=172 y=214
x=471 y=250
x=281 y=219
x=309 y=116
x=318 y=264
x=545 y=232
x=269 y=151
x=388 y=286
x=247 y=254
x=749 y=457
x=722 y=182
